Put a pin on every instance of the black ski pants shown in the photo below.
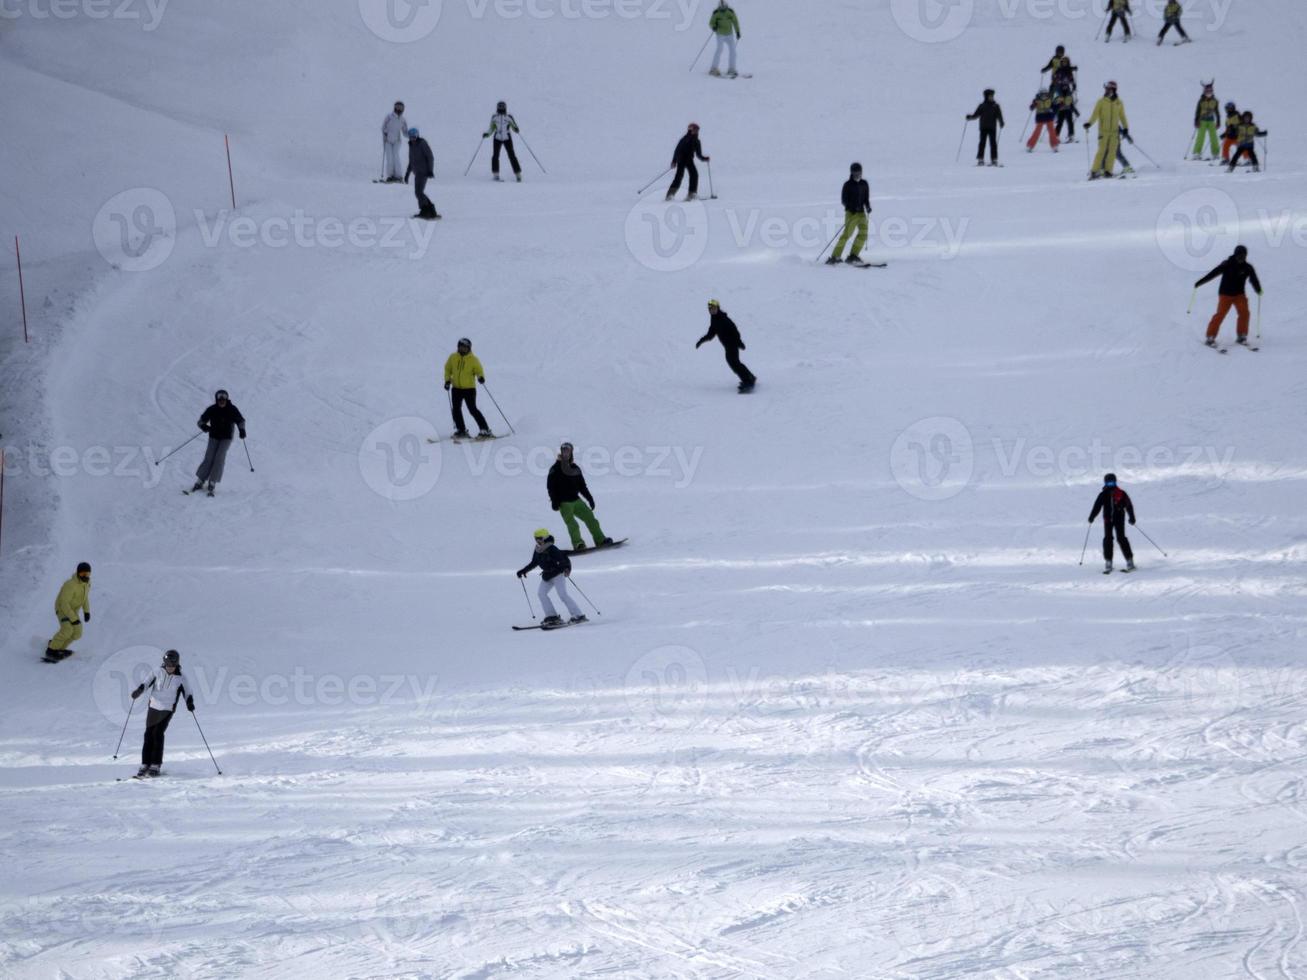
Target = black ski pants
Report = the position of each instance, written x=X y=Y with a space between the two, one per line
x=156 y=723
x=681 y=170
x=1066 y=117
x=992 y=136
x=1168 y=25
x=1244 y=151
x=1125 y=23
x=1116 y=526
x=466 y=396
x=741 y=372
x=425 y=207
x=512 y=157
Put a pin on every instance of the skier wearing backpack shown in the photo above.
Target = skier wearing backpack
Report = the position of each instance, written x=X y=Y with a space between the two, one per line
x=1120 y=11
x=725 y=25
x=1109 y=113
x=856 y=198
x=724 y=329
x=393 y=128
x=1042 y=106
x=166 y=688
x=1230 y=135
x=219 y=420
x=555 y=568
x=1063 y=78
x=990 y=114
x=566 y=486
x=1171 y=18
x=1116 y=507
x=502 y=127
x=1235 y=273
x=1206 y=115
x=687 y=148
x=1064 y=103
x=74 y=598
x=422 y=167
x=1246 y=136
x=463 y=371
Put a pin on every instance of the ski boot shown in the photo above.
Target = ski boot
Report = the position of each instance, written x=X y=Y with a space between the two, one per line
x=485 y=434
x=142 y=772
x=1257 y=168
x=714 y=73
x=208 y=491
x=199 y=485
x=579 y=546
x=732 y=73
x=980 y=163
x=834 y=260
x=1242 y=340
x=462 y=434
x=1129 y=564
x=605 y=541
x=692 y=196
x=1096 y=175
x=519 y=177
x=1210 y=341
x=498 y=179
x=1127 y=170
x=1107 y=567
x=577 y=619
x=671 y=196
x=550 y=621
x=856 y=260
x=152 y=771
x=745 y=387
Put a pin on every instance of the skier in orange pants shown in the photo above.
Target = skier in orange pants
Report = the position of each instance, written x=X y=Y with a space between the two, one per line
x=1235 y=273
x=1044 y=116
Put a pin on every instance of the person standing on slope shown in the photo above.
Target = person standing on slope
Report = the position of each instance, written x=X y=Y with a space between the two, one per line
x=1064 y=104
x=1235 y=273
x=990 y=114
x=1063 y=78
x=74 y=598
x=566 y=487
x=422 y=167
x=726 y=26
x=166 y=688
x=724 y=329
x=393 y=128
x=463 y=371
x=1042 y=106
x=503 y=126
x=1109 y=113
x=1230 y=135
x=555 y=568
x=1206 y=115
x=1171 y=18
x=1120 y=11
x=1116 y=506
x=856 y=198
x=687 y=148
x=218 y=420
x=1246 y=135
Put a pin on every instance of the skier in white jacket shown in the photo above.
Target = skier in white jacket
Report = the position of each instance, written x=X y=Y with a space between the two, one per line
x=166 y=689
x=502 y=127
x=393 y=131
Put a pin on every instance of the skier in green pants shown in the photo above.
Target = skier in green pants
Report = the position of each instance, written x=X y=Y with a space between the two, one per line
x=1206 y=115
x=856 y=197
x=566 y=486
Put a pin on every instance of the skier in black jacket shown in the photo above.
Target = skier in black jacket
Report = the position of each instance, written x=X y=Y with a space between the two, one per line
x=1116 y=506
x=554 y=567
x=218 y=420
x=683 y=160
x=1235 y=273
x=422 y=167
x=724 y=329
x=566 y=486
x=990 y=115
x=856 y=198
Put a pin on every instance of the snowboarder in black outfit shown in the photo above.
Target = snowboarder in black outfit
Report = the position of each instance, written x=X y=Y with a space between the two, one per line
x=555 y=567
x=683 y=160
x=1116 y=507
x=421 y=167
x=218 y=420
x=724 y=329
x=566 y=486
x=166 y=688
x=990 y=114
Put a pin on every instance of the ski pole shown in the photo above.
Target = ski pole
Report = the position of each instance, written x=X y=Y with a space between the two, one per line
x=533 y=153
x=527 y=596
x=1188 y=146
x=1145 y=153
x=829 y=243
x=962 y=141
x=654 y=181
x=498 y=409
x=475 y=155
x=1029 y=116
x=182 y=446
x=584 y=596
x=701 y=50
x=206 y=743
x=712 y=195
x=1085 y=547
x=1151 y=541
x=130 y=709
x=1101 y=24
x=1191 y=302
x=247 y=455
x=1259 y=317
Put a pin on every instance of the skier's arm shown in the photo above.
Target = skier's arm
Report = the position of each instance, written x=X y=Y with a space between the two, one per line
x=512 y=124
x=551 y=485
x=1210 y=276
x=1001 y=123
x=533 y=563
x=1098 y=505
x=240 y=419
x=489 y=129
x=205 y=418
x=63 y=606
x=585 y=491
x=1129 y=506
x=1257 y=283
x=698 y=151
x=477 y=369
x=712 y=332
x=449 y=369
x=735 y=22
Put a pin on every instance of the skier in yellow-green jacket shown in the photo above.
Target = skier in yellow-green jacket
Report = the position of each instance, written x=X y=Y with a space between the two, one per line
x=1109 y=115
x=726 y=26
x=462 y=373
x=73 y=602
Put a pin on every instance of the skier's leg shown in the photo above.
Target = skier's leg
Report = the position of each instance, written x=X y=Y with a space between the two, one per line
x=512 y=156
x=993 y=146
x=1227 y=145
x=676 y=181
x=456 y=408
x=582 y=510
x=202 y=471
x=1107 y=542
x=717 y=53
x=741 y=372
x=470 y=397
x=494 y=158
x=1052 y=135
x=1119 y=525
x=850 y=219
x=1165 y=27
x=1034 y=137
x=860 y=239
x=65 y=636
x=568 y=511
x=1252 y=157
x=566 y=596
x=1180 y=28
x=1241 y=309
x=219 y=460
x=1222 y=308
x=694 y=178
x=730 y=47
x=542 y=594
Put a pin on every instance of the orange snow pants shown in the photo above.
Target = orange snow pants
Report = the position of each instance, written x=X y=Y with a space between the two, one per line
x=1240 y=303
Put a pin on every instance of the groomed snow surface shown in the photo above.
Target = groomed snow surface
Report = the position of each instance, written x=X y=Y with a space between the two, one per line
x=852 y=707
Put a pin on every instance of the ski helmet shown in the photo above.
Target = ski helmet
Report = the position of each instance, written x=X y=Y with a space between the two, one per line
x=714 y=304
x=1109 y=479
x=1110 y=85
x=413 y=133
x=1061 y=49
x=399 y=106
x=501 y=106
x=83 y=566
x=172 y=658
x=542 y=534
x=989 y=92
x=855 y=168
x=464 y=342
x=220 y=395
x=1231 y=107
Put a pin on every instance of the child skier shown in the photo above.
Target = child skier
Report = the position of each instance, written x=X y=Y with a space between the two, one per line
x=166 y=688
x=1042 y=106
x=74 y=597
x=990 y=114
x=1206 y=116
x=566 y=486
x=463 y=371
x=503 y=126
x=1064 y=102
x=1235 y=273
x=218 y=420
x=1063 y=79
x=856 y=197
x=1171 y=18
x=1116 y=506
x=1120 y=11
x=1246 y=134
x=687 y=148
x=725 y=25
x=1230 y=135
x=1109 y=113
x=555 y=567
x=724 y=329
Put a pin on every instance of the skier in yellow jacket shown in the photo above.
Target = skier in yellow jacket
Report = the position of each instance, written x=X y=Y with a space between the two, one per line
x=462 y=372
x=1109 y=114
x=74 y=597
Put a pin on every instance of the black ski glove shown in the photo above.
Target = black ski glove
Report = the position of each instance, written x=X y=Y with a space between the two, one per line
x=190 y=703
x=698 y=344
x=591 y=502
x=1132 y=521
x=242 y=432
x=481 y=380
x=555 y=506
x=522 y=573
x=138 y=692
x=86 y=617
x=203 y=425
x=448 y=385
x=742 y=347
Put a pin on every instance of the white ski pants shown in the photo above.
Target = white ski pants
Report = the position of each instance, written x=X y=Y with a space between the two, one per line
x=726 y=41
x=390 y=166
x=558 y=582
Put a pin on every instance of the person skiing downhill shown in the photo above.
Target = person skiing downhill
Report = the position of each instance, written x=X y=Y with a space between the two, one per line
x=1116 y=507
x=74 y=596
x=1109 y=113
x=463 y=371
x=1171 y=18
x=724 y=329
x=166 y=688
x=555 y=568
x=566 y=486
x=502 y=127
x=393 y=128
x=1235 y=273
x=990 y=114
x=218 y=420
x=1206 y=115
x=1063 y=78
x=687 y=148
x=1230 y=135
x=422 y=167
x=725 y=25
x=1246 y=142
x=1064 y=103
x=856 y=198
x=1042 y=106
x=1121 y=12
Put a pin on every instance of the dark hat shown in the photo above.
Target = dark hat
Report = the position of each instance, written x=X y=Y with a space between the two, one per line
x=83 y=566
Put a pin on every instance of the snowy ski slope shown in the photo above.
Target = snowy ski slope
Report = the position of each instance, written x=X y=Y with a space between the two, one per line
x=852 y=707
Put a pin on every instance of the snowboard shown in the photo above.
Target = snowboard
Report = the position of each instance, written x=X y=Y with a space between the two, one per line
x=599 y=547
x=56 y=660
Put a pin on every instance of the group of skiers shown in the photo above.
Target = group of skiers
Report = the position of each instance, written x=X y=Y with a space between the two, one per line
x=1239 y=132
x=1119 y=12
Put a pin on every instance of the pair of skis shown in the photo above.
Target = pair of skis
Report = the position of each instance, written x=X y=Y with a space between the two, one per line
x=564 y=625
x=1226 y=350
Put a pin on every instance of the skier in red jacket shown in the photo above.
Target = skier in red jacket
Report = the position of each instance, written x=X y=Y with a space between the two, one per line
x=1116 y=507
